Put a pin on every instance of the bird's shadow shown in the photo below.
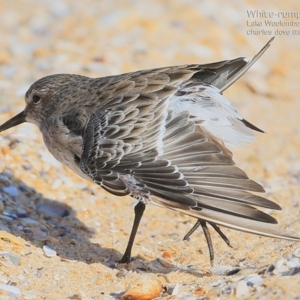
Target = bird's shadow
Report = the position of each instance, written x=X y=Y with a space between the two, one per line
x=41 y=221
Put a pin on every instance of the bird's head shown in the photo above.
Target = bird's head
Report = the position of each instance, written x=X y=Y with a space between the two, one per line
x=48 y=98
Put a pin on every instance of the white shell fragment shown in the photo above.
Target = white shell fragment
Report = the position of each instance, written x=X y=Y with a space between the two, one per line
x=49 y=252
x=10 y=288
x=221 y=270
x=242 y=289
x=10 y=258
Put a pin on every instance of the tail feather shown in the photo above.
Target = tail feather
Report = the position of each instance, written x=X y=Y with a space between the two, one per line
x=223 y=74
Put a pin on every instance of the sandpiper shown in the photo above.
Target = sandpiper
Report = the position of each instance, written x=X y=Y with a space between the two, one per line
x=159 y=136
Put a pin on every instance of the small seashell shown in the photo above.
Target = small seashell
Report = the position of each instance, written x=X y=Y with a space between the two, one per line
x=166 y=263
x=254 y=279
x=3 y=279
x=10 y=288
x=280 y=263
x=281 y=266
x=293 y=264
x=200 y=291
x=145 y=288
x=242 y=289
x=11 y=257
x=221 y=270
x=56 y=184
x=175 y=290
x=167 y=254
x=216 y=283
x=49 y=252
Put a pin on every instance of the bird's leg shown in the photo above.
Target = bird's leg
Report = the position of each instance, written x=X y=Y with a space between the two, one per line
x=138 y=213
x=187 y=236
x=222 y=235
x=209 y=241
x=207 y=236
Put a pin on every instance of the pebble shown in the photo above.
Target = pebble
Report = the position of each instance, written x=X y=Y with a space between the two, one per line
x=28 y=221
x=49 y=252
x=11 y=190
x=145 y=288
x=53 y=209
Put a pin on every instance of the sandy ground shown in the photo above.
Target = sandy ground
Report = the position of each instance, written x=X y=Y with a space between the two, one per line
x=44 y=204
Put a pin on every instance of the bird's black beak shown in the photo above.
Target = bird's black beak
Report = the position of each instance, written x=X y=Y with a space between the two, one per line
x=14 y=121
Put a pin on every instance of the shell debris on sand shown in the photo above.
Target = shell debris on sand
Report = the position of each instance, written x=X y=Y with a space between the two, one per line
x=145 y=288
x=49 y=252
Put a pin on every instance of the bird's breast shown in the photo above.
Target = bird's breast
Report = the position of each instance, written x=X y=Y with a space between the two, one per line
x=65 y=147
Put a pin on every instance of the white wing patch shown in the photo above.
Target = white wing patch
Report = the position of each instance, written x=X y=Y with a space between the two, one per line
x=213 y=111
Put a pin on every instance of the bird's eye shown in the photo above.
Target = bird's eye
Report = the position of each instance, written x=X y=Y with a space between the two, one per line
x=36 y=99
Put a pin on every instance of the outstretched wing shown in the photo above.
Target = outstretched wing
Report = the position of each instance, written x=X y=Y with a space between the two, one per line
x=215 y=189
x=126 y=130
x=148 y=137
x=183 y=168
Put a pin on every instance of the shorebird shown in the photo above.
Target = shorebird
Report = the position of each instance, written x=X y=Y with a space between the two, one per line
x=159 y=136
